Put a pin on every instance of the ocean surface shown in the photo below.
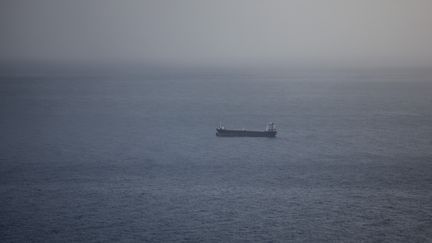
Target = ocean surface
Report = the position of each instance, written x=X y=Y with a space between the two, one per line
x=132 y=158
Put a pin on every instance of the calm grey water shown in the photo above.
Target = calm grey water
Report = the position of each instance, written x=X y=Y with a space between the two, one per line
x=137 y=159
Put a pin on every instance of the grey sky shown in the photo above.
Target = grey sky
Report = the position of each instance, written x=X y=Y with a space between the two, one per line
x=219 y=32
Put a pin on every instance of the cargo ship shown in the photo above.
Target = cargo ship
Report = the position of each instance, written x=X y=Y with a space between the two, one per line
x=270 y=131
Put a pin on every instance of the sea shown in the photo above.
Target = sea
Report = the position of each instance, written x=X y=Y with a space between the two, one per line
x=134 y=158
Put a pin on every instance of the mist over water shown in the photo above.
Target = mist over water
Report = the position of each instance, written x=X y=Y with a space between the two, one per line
x=108 y=112
x=136 y=158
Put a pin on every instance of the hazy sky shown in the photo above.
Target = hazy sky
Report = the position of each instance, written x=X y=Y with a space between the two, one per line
x=219 y=32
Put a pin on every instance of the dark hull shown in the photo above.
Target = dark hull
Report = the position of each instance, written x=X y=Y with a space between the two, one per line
x=244 y=133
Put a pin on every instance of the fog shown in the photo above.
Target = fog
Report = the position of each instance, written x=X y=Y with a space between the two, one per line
x=219 y=33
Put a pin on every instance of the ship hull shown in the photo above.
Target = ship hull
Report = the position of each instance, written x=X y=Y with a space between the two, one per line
x=244 y=133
